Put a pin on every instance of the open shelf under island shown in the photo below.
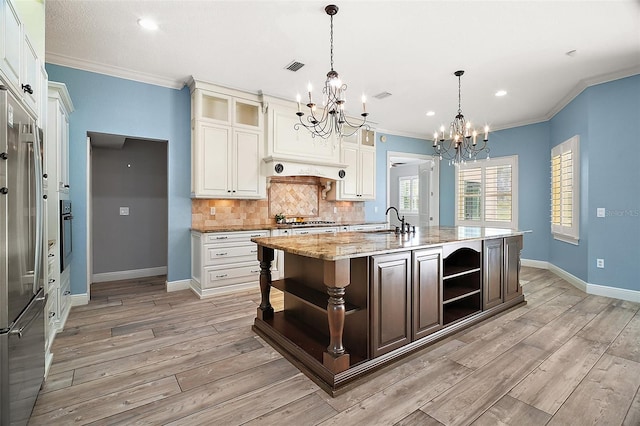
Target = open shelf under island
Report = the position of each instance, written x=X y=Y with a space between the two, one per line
x=356 y=301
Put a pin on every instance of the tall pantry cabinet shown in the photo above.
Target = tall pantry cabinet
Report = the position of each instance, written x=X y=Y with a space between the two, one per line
x=59 y=107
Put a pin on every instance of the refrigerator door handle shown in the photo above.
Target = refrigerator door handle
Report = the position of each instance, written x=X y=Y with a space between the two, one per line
x=39 y=214
x=38 y=299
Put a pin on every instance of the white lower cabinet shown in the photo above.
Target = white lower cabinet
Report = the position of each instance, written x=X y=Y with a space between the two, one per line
x=368 y=227
x=224 y=262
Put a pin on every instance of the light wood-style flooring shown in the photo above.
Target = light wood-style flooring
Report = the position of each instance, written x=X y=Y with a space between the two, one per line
x=138 y=355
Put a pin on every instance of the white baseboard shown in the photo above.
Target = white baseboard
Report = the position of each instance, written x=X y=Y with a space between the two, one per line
x=228 y=289
x=595 y=289
x=127 y=275
x=178 y=285
x=616 y=293
x=540 y=264
x=79 y=299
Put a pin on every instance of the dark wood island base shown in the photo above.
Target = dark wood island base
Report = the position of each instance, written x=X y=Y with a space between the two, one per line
x=356 y=302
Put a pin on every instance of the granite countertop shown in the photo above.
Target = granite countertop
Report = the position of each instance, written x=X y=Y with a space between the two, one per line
x=231 y=228
x=345 y=245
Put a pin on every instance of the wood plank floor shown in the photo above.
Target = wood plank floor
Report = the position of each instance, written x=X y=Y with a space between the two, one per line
x=138 y=355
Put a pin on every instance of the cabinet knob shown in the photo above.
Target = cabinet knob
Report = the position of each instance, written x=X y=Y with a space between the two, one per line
x=4 y=155
x=52 y=314
x=67 y=186
x=45 y=196
x=45 y=175
x=27 y=89
x=51 y=280
x=221 y=254
x=66 y=293
x=4 y=190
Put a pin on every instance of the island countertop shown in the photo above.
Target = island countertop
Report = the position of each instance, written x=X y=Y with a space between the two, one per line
x=346 y=245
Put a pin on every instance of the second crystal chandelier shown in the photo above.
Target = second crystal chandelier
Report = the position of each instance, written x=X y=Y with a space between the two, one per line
x=329 y=118
x=462 y=142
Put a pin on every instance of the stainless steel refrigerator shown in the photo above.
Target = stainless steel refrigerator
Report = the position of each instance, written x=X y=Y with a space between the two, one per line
x=22 y=297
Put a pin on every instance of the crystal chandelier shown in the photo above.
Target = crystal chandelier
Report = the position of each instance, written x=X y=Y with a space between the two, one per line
x=330 y=118
x=462 y=143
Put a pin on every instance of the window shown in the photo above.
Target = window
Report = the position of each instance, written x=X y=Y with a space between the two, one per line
x=409 y=194
x=486 y=193
x=565 y=176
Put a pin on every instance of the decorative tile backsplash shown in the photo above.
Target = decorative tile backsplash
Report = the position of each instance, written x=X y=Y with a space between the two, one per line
x=293 y=196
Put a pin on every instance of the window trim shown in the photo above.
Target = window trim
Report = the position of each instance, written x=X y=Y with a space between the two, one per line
x=567 y=234
x=411 y=179
x=511 y=160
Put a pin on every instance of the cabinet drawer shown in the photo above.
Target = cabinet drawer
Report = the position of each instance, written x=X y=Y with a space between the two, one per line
x=228 y=276
x=232 y=237
x=218 y=255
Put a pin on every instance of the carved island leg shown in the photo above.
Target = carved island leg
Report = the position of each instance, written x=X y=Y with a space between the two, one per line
x=265 y=256
x=336 y=278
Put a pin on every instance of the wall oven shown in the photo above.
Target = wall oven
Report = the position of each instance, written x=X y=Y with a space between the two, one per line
x=66 y=220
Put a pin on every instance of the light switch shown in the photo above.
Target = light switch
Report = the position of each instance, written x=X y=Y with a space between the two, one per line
x=124 y=211
x=212 y=211
x=601 y=212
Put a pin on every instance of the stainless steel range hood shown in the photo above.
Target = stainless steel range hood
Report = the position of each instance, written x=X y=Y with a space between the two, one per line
x=281 y=166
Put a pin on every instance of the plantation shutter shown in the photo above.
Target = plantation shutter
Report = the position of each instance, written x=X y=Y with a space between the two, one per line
x=564 y=190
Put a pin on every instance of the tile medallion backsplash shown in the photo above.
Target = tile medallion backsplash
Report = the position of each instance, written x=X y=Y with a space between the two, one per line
x=293 y=196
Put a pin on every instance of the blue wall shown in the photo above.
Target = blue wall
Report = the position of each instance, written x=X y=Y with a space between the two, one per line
x=113 y=105
x=614 y=183
x=531 y=145
x=394 y=144
x=570 y=121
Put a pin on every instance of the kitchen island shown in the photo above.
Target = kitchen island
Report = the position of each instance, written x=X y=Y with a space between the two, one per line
x=356 y=301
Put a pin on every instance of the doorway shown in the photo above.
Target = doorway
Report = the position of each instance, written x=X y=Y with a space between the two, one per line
x=413 y=187
x=127 y=217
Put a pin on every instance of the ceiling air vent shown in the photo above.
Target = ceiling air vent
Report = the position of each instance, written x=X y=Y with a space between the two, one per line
x=382 y=95
x=294 y=66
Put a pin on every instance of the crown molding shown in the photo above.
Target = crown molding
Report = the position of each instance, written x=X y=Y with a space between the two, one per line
x=588 y=82
x=113 y=71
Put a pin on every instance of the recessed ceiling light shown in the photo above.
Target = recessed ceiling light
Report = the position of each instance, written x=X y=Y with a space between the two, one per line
x=501 y=93
x=147 y=24
x=431 y=114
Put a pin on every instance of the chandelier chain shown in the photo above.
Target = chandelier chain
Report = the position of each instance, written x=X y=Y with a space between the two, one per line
x=459 y=97
x=331 y=41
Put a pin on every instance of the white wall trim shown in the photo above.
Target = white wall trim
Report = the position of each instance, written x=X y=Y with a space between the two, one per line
x=127 y=275
x=113 y=71
x=79 y=299
x=540 y=264
x=595 y=289
x=616 y=293
x=228 y=289
x=178 y=285
x=572 y=279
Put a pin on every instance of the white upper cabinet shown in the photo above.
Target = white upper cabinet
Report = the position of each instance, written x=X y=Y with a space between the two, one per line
x=10 y=44
x=59 y=108
x=227 y=143
x=358 y=152
x=29 y=83
x=19 y=63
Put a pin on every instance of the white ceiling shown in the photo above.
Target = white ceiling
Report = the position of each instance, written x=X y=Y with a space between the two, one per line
x=407 y=48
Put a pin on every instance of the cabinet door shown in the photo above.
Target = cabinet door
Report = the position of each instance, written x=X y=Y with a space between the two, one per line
x=390 y=302
x=512 y=248
x=367 y=174
x=247 y=156
x=63 y=173
x=11 y=45
x=427 y=292
x=492 y=274
x=30 y=75
x=349 y=186
x=212 y=161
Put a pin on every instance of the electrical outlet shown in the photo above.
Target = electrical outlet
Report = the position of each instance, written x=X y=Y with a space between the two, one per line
x=335 y=210
x=124 y=211
x=600 y=263
x=213 y=211
x=375 y=209
x=601 y=212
